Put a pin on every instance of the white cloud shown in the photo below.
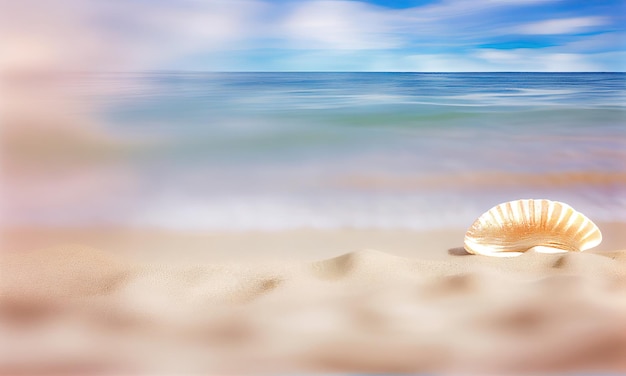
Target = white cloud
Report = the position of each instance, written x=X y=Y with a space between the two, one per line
x=561 y=26
x=596 y=43
x=343 y=25
x=311 y=35
x=497 y=55
x=454 y=23
x=531 y=60
x=443 y=63
x=521 y=60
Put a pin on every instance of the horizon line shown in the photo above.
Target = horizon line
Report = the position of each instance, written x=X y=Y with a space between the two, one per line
x=303 y=71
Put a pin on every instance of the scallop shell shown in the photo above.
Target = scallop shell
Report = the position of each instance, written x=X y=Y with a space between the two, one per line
x=514 y=227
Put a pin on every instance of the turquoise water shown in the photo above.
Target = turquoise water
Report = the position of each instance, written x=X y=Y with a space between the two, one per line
x=327 y=150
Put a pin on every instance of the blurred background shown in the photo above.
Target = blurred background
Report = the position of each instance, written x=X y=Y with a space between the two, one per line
x=182 y=133
x=201 y=114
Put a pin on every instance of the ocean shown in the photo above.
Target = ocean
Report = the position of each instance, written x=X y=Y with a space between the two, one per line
x=272 y=151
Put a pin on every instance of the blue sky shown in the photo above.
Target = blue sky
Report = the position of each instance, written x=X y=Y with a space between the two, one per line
x=411 y=35
x=319 y=35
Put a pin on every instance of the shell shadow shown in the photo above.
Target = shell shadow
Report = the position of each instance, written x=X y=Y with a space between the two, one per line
x=458 y=251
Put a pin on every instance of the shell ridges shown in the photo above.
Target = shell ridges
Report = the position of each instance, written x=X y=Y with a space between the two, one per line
x=514 y=227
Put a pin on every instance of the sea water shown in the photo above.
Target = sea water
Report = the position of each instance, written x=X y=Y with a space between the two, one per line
x=270 y=151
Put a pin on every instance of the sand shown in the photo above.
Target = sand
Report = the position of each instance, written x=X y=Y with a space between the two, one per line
x=113 y=301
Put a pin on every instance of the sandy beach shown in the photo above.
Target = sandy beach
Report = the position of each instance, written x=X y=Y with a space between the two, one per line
x=284 y=187
x=107 y=301
x=279 y=251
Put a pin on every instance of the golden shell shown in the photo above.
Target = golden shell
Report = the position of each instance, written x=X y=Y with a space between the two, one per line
x=514 y=227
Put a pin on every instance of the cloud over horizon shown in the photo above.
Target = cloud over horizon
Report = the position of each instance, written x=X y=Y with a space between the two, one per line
x=318 y=35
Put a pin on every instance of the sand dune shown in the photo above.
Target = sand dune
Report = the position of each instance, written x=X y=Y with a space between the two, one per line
x=75 y=309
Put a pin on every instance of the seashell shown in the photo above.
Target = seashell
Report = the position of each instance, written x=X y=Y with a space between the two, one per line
x=514 y=227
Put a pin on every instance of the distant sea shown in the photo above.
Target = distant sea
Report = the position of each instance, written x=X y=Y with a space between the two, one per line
x=269 y=151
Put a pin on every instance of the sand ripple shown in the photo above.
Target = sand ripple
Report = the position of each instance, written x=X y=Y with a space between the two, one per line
x=75 y=309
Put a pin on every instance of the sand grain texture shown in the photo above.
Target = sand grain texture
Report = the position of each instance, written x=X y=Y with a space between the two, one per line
x=76 y=309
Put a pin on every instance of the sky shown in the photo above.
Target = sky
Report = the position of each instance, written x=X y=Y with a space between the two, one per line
x=317 y=35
